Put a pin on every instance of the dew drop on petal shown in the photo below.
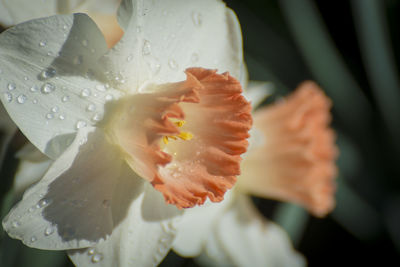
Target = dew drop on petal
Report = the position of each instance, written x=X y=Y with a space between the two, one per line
x=129 y=58
x=35 y=101
x=48 y=73
x=26 y=78
x=196 y=18
x=61 y=117
x=65 y=98
x=49 y=230
x=172 y=64
x=15 y=224
x=48 y=88
x=33 y=239
x=55 y=109
x=49 y=116
x=96 y=117
x=97 y=257
x=85 y=93
x=42 y=43
x=34 y=88
x=21 y=99
x=100 y=87
x=8 y=97
x=91 y=107
x=11 y=86
x=80 y=124
x=91 y=251
x=43 y=203
x=146 y=50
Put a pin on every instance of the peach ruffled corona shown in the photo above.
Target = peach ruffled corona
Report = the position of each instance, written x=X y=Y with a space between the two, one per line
x=293 y=158
x=187 y=137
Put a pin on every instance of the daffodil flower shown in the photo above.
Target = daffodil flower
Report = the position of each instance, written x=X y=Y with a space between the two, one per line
x=125 y=124
x=290 y=158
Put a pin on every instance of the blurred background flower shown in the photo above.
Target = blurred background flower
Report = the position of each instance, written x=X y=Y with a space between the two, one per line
x=351 y=49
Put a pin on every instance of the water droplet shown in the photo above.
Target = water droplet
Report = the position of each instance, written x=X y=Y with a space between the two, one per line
x=61 y=117
x=8 y=97
x=96 y=117
x=91 y=107
x=55 y=109
x=35 y=101
x=49 y=230
x=65 y=27
x=129 y=58
x=84 y=42
x=47 y=88
x=172 y=64
x=91 y=251
x=42 y=43
x=43 y=203
x=101 y=87
x=97 y=257
x=49 y=116
x=195 y=57
x=109 y=97
x=65 y=98
x=154 y=66
x=85 y=92
x=34 y=88
x=31 y=209
x=196 y=18
x=21 y=99
x=33 y=239
x=78 y=60
x=11 y=86
x=26 y=78
x=146 y=50
x=15 y=224
x=48 y=73
x=49 y=53
x=80 y=124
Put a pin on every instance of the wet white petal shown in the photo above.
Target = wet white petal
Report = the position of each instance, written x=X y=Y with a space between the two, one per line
x=69 y=200
x=163 y=38
x=144 y=235
x=50 y=77
x=249 y=240
x=196 y=225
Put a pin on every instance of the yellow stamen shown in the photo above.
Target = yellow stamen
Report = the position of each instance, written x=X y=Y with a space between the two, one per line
x=165 y=140
x=180 y=123
x=185 y=136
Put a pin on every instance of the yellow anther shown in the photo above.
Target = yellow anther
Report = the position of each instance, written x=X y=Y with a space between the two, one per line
x=185 y=136
x=180 y=123
x=165 y=140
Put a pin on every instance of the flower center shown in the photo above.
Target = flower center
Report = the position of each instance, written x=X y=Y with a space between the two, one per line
x=185 y=136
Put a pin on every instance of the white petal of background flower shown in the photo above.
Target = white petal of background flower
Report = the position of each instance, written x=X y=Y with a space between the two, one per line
x=17 y=11
x=163 y=38
x=143 y=238
x=196 y=225
x=33 y=165
x=7 y=131
x=48 y=83
x=70 y=207
x=249 y=240
x=257 y=91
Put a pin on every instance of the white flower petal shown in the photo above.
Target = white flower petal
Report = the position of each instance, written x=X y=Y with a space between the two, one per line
x=248 y=240
x=163 y=38
x=48 y=86
x=196 y=225
x=68 y=207
x=142 y=238
x=30 y=169
x=16 y=11
x=257 y=91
